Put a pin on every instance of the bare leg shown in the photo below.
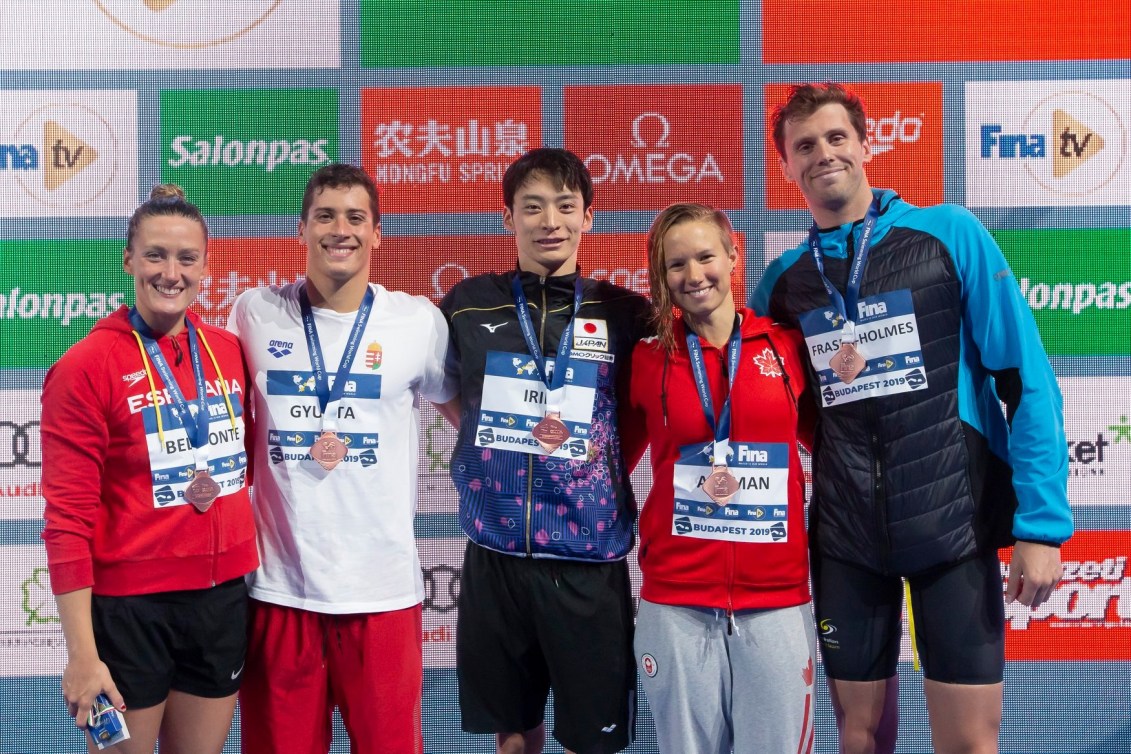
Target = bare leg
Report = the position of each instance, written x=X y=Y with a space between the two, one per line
x=965 y=719
x=143 y=725
x=195 y=724
x=867 y=715
x=530 y=742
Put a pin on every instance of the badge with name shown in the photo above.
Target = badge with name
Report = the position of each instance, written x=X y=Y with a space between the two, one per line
x=551 y=432
x=721 y=485
x=202 y=491
x=328 y=450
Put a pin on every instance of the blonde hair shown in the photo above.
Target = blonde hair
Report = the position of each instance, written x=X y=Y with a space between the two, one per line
x=663 y=318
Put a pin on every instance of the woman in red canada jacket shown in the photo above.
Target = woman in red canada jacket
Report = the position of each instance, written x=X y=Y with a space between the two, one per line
x=149 y=529
x=724 y=634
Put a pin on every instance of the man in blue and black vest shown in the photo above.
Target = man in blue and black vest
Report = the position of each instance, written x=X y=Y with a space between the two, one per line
x=917 y=334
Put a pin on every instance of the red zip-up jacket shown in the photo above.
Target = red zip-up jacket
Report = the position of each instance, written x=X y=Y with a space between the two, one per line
x=687 y=571
x=102 y=528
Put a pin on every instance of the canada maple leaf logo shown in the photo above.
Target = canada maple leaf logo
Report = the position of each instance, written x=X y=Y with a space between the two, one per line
x=767 y=364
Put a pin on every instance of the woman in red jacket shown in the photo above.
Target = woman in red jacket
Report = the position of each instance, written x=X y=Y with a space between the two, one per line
x=724 y=635
x=149 y=528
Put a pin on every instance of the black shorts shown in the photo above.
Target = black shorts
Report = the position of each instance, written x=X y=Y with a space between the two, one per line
x=192 y=641
x=958 y=610
x=528 y=624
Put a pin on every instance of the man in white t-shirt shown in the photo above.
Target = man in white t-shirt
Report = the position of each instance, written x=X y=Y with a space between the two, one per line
x=337 y=365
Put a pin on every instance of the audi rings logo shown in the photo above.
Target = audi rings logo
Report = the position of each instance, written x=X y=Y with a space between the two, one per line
x=19 y=445
x=441 y=588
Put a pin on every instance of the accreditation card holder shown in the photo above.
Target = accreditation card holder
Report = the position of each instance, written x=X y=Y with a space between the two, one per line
x=105 y=724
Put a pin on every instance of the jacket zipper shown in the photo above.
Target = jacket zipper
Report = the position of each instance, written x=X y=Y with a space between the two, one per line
x=878 y=493
x=530 y=458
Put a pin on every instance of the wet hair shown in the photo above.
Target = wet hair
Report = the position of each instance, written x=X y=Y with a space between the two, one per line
x=165 y=200
x=561 y=166
x=338 y=175
x=676 y=214
x=806 y=99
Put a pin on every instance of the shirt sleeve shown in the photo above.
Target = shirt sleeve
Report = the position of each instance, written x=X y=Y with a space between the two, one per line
x=998 y=321
x=440 y=384
x=75 y=437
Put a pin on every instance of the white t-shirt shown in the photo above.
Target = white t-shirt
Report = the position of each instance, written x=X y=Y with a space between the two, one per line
x=339 y=541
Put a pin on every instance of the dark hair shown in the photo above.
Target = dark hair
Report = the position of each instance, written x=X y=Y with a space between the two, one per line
x=676 y=214
x=806 y=99
x=561 y=166
x=165 y=200
x=338 y=175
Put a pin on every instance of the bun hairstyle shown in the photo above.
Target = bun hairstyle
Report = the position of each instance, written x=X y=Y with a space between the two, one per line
x=166 y=199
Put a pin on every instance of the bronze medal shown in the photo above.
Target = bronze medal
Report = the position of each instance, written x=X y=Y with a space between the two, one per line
x=202 y=491
x=721 y=485
x=328 y=450
x=847 y=362
x=551 y=432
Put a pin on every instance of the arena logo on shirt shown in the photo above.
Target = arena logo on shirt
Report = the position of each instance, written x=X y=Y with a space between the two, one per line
x=646 y=146
x=445 y=149
x=68 y=152
x=247 y=151
x=1058 y=143
x=1088 y=615
x=904 y=130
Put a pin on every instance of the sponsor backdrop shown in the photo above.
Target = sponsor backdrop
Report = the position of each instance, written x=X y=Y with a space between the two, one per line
x=1023 y=117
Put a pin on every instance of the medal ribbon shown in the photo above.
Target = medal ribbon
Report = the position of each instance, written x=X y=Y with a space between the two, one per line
x=846 y=305
x=329 y=397
x=555 y=385
x=196 y=426
x=722 y=430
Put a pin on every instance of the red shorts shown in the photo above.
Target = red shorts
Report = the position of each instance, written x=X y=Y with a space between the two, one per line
x=301 y=664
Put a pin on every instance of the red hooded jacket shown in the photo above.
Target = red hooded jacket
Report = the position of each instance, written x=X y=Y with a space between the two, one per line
x=687 y=571
x=103 y=529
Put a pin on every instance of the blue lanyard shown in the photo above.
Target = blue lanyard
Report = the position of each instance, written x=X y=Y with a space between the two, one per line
x=699 y=371
x=847 y=308
x=196 y=427
x=557 y=380
x=326 y=394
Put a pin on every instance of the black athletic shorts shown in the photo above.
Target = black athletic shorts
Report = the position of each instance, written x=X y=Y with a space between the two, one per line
x=528 y=624
x=192 y=641
x=958 y=610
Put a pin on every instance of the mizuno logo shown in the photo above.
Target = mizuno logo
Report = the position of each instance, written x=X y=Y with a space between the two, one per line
x=493 y=328
x=609 y=728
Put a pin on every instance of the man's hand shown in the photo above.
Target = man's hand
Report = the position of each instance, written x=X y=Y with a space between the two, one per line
x=1033 y=572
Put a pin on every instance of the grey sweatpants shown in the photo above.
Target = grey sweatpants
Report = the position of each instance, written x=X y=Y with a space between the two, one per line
x=710 y=690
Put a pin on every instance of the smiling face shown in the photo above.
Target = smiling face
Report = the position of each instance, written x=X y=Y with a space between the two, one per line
x=547 y=222
x=825 y=157
x=167 y=258
x=339 y=232
x=698 y=267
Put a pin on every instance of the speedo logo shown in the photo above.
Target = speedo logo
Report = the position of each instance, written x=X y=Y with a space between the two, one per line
x=1076 y=297
x=64 y=307
x=884 y=133
x=268 y=154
